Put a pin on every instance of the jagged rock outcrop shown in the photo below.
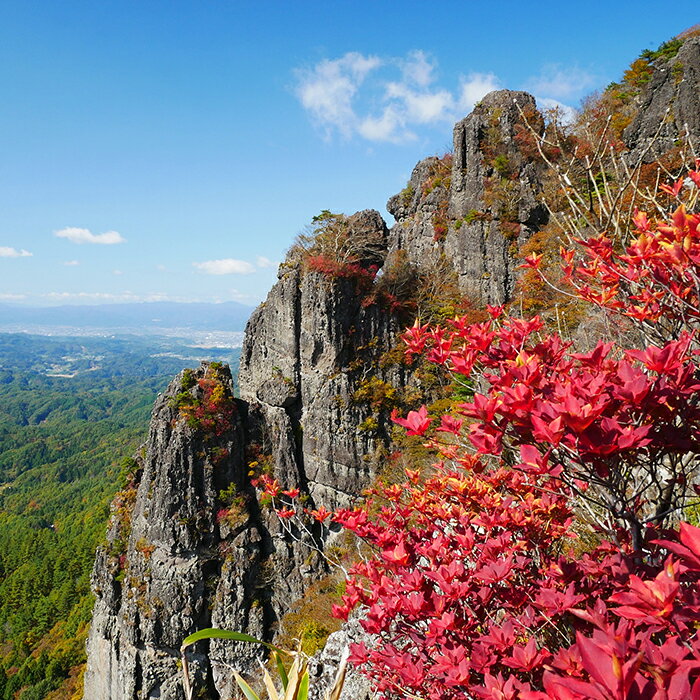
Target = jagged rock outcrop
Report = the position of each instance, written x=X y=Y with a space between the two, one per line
x=159 y=575
x=307 y=349
x=476 y=207
x=323 y=667
x=669 y=106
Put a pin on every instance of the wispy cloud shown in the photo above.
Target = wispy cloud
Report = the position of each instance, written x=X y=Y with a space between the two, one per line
x=97 y=296
x=72 y=263
x=124 y=297
x=262 y=262
x=12 y=297
x=474 y=87
x=110 y=297
x=327 y=90
x=417 y=68
x=336 y=95
x=390 y=99
x=390 y=125
x=226 y=266
x=83 y=235
x=330 y=90
x=561 y=82
x=6 y=252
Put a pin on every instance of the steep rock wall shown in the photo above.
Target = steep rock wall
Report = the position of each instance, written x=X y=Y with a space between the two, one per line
x=157 y=574
x=307 y=349
x=669 y=106
x=478 y=213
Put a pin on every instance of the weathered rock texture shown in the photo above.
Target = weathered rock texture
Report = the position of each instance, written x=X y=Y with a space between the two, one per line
x=483 y=207
x=669 y=107
x=306 y=351
x=323 y=667
x=157 y=576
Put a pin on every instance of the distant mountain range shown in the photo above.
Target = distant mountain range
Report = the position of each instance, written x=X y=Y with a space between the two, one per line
x=145 y=317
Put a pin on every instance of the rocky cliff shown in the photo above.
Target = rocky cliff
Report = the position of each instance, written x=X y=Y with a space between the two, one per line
x=668 y=108
x=160 y=570
x=307 y=349
x=476 y=205
x=189 y=545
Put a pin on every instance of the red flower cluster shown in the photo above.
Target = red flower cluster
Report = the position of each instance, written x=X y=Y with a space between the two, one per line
x=470 y=597
x=478 y=587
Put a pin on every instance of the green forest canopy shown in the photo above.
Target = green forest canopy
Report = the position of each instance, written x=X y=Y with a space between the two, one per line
x=62 y=439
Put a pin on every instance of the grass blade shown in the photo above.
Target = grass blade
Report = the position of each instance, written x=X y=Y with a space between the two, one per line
x=213 y=633
x=269 y=683
x=247 y=690
x=303 y=693
x=337 y=689
x=293 y=682
x=282 y=671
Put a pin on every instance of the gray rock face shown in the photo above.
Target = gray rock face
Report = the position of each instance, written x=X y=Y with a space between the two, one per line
x=669 y=106
x=488 y=205
x=160 y=575
x=323 y=667
x=307 y=349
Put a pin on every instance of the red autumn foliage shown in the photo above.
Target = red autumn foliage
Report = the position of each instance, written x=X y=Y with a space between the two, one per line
x=215 y=412
x=473 y=594
x=363 y=276
x=478 y=586
x=604 y=422
x=653 y=280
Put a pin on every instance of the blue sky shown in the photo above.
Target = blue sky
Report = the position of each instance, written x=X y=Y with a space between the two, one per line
x=172 y=149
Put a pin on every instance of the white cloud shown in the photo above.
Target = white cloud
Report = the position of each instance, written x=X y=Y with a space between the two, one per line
x=327 y=90
x=12 y=297
x=421 y=107
x=389 y=126
x=100 y=296
x=397 y=95
x=71 y=263
x=474 y=87
x=6 y=252
x=161 y=268
x=108 y=296
x=557 y=81
x=262 y=262
x=418 y=68
x=389 y=99
x=117 y=272
x=83 y=235
x=567 y=114
x=227 y=266
x=236 y=295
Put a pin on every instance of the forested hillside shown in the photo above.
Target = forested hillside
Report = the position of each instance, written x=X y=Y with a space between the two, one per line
x=63 y=440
